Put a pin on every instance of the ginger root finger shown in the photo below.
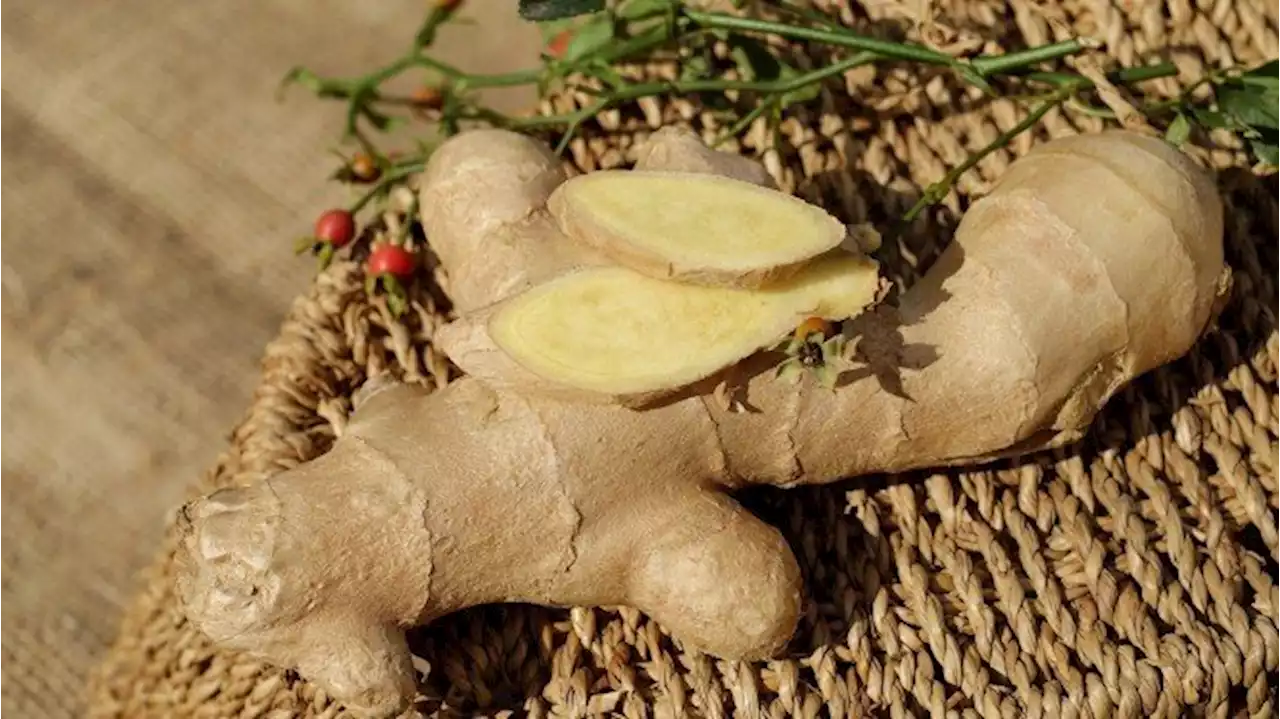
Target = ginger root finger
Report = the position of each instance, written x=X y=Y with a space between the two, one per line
x=325 y=566
x=727 y=583
x=267 y=570
x=672 y=149
x=696 y=228
x=483 y=208
x=610 y=334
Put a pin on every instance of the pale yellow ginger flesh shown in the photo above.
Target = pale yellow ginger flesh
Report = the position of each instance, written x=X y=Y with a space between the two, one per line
x=704 y=229
x=1093 y=260
x=615 y=331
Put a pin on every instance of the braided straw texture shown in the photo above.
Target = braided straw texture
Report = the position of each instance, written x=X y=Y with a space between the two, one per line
x=1130 y=575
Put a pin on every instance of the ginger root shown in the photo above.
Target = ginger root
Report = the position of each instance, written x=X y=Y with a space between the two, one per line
x=612 y=334
x=695 y=228
x=1095 y=259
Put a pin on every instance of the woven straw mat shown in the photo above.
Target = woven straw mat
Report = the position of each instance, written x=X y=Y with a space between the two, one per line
x=1133 y=574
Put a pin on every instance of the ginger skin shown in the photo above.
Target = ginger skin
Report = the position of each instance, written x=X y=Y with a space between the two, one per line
x=1094 y=260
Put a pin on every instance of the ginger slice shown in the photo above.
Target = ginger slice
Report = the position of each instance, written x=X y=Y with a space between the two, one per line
x=701 y=229
x=617 y=332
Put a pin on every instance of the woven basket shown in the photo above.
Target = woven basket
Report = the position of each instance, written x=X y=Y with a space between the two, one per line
x=1131 y=574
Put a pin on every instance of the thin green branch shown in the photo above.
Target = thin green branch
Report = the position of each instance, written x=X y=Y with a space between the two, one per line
x=884 y=48
x=1012 y=61
x=745 y=121
x=1127 y=76
x=390 y=178
x=938 y=190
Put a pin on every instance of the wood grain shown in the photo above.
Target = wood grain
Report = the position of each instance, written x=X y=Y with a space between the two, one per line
x=152 y=188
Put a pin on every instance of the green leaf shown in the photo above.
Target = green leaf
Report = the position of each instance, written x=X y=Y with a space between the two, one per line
x=605 y=73
x=1265 y=75
x=638 y=9
x=551 y=28
x=1266 y=152
x=1253 y=105
x=427 y=32
x=324 y=256
x=826 y=375
x=300 y=76
x=971 y=75
x=311 y=81
x=539 y=10
x=754 y=61
x=590 y=37
x=382 y=122
x=1263 y=145
x=800 y=94
x=695 y=68
x=1179 y=130
x=1212 y=119
x=790 y=371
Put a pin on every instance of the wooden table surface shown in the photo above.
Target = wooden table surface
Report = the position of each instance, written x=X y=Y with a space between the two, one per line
x=152 y=187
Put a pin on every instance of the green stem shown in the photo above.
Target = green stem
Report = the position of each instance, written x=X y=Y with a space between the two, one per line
x=1011 y=61
x=1127 y=76
x=391 y=177
x=832 y=34
x=427 y=32
x=406 y=227
x=505 y=79
x=745 y=121
x=577 y=119
x=935 y=192
x=883 y=48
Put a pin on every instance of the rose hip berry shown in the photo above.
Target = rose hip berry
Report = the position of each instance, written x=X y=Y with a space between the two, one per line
x=428 y=98
x=364 y=169
x=336 y=227
x=391 y=260
x=813 y=326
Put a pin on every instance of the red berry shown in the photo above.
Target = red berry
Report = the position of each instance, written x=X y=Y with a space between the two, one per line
x=337 y=227
x=391 y=260
x=557 y=45
x=448 y=5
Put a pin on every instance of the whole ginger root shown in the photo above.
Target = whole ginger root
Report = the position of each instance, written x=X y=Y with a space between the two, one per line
x=1094 y=259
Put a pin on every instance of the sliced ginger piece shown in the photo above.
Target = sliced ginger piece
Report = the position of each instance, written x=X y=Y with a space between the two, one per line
x=700 y=229
x=618 y=335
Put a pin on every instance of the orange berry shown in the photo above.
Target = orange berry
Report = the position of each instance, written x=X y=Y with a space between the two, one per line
x=813 y=326
x=428 y=97
x=363 y=168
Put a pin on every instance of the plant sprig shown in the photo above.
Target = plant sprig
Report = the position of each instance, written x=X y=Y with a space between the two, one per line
x=590 y=39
